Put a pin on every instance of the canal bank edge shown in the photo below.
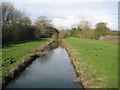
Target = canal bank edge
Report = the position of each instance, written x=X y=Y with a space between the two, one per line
x=86 y=82
x=68 y=49
x=15 y=72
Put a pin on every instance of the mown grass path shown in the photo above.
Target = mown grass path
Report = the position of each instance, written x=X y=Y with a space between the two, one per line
x=14 y=53
x=101 y=55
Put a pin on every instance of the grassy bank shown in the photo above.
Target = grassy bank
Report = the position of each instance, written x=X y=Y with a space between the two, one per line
x=13 y=54
x=96 y=61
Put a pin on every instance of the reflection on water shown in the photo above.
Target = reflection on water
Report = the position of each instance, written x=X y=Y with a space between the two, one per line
x=51 y=71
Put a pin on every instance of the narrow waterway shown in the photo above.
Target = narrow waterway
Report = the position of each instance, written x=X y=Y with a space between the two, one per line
x=51 y=71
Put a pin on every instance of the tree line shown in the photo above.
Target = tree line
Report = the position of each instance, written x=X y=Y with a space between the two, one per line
x=16 y=26
x=84 y=30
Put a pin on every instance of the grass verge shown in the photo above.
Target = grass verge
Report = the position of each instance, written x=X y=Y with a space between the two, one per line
x=96 y=62
x=13 y=54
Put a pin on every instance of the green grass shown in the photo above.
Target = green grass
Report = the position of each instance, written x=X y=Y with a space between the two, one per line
x=119 y=65
x=14 y=53
x=102 y=55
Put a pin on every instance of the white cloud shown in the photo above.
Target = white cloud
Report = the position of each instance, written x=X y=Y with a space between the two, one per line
x=66 y=13
x=62 y=0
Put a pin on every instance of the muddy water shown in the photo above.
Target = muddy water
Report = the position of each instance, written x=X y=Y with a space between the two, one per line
x=51 y=71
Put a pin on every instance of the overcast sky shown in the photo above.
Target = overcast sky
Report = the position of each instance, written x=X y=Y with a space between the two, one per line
x=65 y=13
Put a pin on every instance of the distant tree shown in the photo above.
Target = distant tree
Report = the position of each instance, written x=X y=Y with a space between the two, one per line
x=63 y=34
x=84 y=25
x=25 y=21
x=114 y=33
x=74 y=32
x=44 y=27
x=86 y=30
x=41 y=24
x=10 y=16
x=15 y=25
x=101 y=29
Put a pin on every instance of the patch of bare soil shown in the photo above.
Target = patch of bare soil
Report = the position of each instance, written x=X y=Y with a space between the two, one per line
x=112 y=38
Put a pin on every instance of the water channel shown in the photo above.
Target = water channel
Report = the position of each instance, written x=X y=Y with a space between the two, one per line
x=51 y=71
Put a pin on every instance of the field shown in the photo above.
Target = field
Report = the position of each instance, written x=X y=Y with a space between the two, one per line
x=102 y=56
x=14 y=53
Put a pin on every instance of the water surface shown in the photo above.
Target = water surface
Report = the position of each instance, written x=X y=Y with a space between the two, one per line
x=51 y=71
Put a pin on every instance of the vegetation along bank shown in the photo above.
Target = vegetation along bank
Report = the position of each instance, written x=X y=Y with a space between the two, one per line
x=93 y=70
x=14 y=64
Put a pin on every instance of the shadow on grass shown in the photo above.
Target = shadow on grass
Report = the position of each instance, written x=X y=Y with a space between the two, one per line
x=23 y=42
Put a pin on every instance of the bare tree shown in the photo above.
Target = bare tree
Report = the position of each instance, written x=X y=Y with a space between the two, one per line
x=87 y=31
x=85 y=25
x=42 y=24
